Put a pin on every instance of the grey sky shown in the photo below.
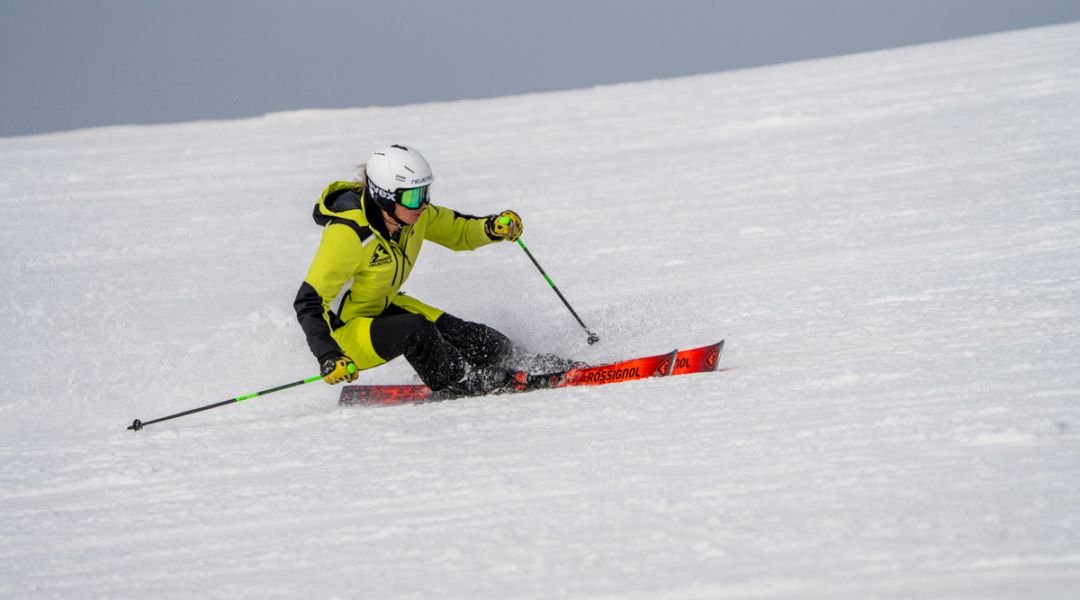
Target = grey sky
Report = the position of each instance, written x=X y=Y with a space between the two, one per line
x=67 y=64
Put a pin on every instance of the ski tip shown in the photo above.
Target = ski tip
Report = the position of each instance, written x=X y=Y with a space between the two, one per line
x=668 y=365
x=713 y=358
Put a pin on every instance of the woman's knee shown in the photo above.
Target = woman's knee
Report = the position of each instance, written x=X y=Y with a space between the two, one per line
x=399 y=334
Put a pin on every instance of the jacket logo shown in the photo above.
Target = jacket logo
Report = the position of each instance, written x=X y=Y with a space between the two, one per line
x=380 y=257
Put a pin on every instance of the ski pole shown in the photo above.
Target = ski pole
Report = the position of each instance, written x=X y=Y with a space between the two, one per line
x=593 y=338
x=137 y=425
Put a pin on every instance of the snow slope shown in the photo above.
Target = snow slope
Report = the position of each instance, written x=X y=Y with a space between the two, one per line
x=890 y=243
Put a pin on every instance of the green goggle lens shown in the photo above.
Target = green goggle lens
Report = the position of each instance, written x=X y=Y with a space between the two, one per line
x=413 y=198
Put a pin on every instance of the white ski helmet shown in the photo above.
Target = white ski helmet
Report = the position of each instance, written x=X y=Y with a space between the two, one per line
x=398 y=174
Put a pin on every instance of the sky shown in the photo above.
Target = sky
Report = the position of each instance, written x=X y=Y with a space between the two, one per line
x=70 y=64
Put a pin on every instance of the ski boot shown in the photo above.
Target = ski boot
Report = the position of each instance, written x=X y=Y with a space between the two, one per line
x=477 y=381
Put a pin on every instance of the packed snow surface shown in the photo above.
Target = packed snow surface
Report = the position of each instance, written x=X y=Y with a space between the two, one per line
x=889 y=243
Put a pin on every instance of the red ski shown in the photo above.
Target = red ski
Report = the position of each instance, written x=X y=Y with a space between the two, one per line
x=696 y=360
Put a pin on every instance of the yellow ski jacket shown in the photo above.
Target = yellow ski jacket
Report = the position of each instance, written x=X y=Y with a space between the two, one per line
x=358 y=247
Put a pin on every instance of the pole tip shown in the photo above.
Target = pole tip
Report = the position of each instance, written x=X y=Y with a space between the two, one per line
x=593 y=338
x=137 y=425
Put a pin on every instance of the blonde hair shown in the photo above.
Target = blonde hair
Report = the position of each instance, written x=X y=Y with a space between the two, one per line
x=361 y=173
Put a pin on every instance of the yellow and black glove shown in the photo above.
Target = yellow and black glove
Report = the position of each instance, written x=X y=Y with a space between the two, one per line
x=506 y=225
x=336 y=370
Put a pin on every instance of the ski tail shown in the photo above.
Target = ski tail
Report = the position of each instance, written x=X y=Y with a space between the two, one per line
x=383 y=395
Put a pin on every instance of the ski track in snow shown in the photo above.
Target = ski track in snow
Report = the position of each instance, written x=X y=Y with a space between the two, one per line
x=890 y=243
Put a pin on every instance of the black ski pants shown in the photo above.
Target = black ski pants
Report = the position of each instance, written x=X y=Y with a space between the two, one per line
x=439 y=350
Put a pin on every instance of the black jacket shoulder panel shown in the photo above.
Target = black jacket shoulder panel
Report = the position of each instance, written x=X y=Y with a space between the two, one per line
x=343 y=200
x=339 y=202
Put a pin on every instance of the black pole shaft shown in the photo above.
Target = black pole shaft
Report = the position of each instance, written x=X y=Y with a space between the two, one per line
x=593 y=338
x=137 y=425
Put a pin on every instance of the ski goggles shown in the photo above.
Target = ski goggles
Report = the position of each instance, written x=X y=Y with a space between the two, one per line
x=412 y=198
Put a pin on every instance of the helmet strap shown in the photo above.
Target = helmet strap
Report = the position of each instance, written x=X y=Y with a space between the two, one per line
x=393 y=217
x=385 y=205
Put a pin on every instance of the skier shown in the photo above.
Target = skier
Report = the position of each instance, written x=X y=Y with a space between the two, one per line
x=374 y=228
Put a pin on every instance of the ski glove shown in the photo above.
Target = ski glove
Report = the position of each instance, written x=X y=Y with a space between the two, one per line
x=336 y=370
x=506 y=225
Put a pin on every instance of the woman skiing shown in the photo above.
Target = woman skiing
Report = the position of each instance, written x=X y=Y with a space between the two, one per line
x=373 y=232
